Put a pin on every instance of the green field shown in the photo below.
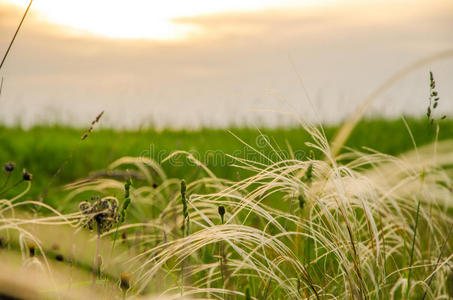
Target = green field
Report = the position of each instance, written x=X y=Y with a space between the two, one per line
x=43 y=150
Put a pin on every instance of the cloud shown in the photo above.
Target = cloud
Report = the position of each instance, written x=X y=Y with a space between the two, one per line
x=236 y=63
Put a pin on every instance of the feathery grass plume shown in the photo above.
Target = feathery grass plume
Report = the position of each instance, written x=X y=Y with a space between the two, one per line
x=357 y=211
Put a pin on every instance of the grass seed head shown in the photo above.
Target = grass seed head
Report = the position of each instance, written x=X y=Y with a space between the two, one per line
x=183 y=198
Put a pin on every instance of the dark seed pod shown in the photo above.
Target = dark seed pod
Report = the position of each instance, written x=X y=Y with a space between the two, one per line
x=125 y=283
x=31 y=249
x=26 y=176
x=9 y=167
x=302 y=201
x=221 y=210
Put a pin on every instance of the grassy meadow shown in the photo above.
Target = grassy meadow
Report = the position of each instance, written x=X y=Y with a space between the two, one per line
x=56 y=155
x=228 y=214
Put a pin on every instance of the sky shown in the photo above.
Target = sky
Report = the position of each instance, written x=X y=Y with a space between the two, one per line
x=220 y=63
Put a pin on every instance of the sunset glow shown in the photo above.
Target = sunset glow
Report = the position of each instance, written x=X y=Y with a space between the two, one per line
x=142 y=18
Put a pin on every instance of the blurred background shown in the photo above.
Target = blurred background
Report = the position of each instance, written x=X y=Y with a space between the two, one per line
x=191 y=64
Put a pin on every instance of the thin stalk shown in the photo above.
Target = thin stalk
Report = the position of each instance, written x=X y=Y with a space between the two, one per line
x=96 y=265
x=15 y=34
x=412 y=250
x=21 y=194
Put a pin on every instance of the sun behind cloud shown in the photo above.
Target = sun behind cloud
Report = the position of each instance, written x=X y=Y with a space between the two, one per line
x=143 y=18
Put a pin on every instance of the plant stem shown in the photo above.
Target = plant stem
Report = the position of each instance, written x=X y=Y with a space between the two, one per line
x=412 y=250
x=96 y=266
x=15 y=34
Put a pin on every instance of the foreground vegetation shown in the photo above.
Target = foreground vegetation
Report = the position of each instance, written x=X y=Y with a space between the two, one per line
x=289 y=225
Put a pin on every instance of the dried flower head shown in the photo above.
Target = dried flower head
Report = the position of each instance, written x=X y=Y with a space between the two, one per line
x=101 y=214
x=125 y=281
x=26 y=176
x=9 y=167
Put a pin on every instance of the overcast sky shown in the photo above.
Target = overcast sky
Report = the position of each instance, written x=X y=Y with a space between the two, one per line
x=238 y=67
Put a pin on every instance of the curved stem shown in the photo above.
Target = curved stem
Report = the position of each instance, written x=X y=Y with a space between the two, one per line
x=23 y=193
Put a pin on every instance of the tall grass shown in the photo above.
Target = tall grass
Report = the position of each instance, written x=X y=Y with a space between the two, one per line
x=369 y=226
